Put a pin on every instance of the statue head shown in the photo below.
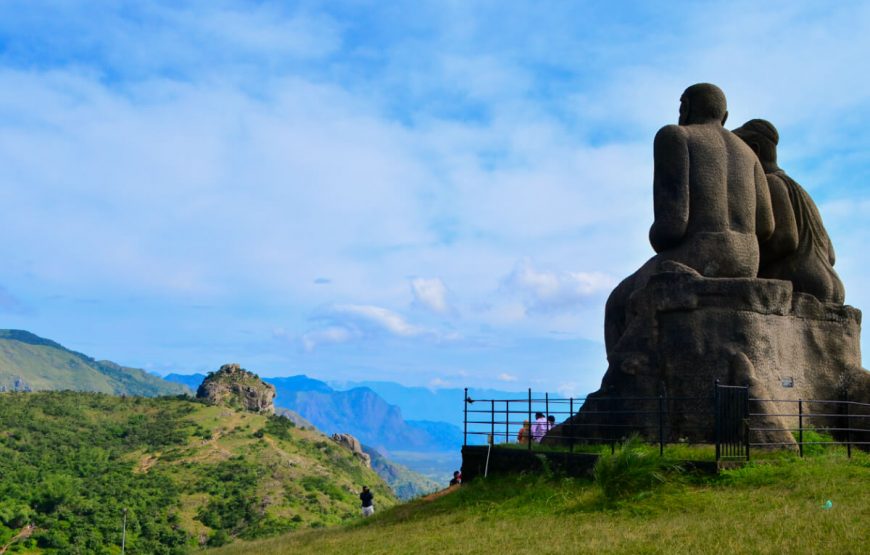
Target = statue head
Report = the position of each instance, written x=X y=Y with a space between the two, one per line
x=762 y=137
x=703 y=103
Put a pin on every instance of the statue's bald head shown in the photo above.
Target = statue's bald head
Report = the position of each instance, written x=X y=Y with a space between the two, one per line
x=703 y=103
x=762 y=137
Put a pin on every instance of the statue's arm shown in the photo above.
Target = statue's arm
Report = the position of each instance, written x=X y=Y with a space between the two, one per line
x=764 y=220
x=784 y=239
x=670 y=188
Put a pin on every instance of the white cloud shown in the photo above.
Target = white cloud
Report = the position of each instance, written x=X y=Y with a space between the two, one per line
x=430 y=293
x=377 y=317
x=348 y=322
x=233 y=156
x=332 y=334
x=556 y=291
x=571 y=389
x=505 y=377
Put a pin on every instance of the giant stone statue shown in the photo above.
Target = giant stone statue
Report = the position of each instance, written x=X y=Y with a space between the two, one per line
x=741 y=291
x=799 y=250
x=712 y=205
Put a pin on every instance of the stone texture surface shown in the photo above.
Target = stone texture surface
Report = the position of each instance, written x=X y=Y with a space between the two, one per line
x=687 y=331
x=354 y=446
x=800 y=250
x=235 y=387
x=741 y=290
x=711 y=202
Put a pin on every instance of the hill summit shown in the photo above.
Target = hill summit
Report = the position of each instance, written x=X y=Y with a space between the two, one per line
x=235 y=387
x=32 y=363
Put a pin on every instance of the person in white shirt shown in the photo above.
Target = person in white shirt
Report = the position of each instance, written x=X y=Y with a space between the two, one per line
x=539 y=428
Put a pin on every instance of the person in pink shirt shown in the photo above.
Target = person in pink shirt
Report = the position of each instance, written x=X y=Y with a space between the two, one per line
x=539 y=428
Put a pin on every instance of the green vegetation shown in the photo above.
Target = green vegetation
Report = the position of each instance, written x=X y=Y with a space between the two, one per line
x=632 y=468
x=774 y=506
x=674 y=452
x=30 y=362
x=188 y=474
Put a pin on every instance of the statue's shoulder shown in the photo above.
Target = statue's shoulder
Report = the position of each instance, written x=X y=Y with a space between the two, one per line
x=670 y=133
x=670 y=138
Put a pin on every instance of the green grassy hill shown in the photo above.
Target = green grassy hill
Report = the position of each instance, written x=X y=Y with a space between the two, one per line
x=765 y=508
x=32 y=363
x=188 y=473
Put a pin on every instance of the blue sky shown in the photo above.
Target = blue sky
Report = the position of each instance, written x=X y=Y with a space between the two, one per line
x=431 y=193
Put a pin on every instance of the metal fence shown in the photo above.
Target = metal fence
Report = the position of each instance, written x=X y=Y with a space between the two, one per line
x=727 y=419
x=847 y=421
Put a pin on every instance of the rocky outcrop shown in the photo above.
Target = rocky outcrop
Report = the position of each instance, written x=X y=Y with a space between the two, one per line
x=235 y=387
x=354 y=446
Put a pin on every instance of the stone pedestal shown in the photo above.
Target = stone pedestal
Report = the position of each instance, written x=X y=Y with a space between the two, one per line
x=686 y=331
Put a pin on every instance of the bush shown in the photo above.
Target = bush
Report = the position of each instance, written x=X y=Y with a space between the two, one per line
x=814 y=442
x=279 y=426
x=631 y=469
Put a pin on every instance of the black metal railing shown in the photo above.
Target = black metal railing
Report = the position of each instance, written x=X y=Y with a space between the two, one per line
x=728 y=419
x=849 y=421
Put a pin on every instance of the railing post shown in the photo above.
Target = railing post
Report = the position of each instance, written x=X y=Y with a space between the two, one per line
x=746 y=426
x=507 y=421
x=801 y=427
x=530 y=421
x=547 y=405
x=716 y=431
x=465 y=419
x=848 y=427
x=547 y=412
x=571 y=425
x=661 y=426
x=492 y=421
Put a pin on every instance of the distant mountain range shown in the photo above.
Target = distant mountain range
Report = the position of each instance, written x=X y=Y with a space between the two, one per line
x=359 y=411
x=405 y=483
x=423 y=403
x=32 y=363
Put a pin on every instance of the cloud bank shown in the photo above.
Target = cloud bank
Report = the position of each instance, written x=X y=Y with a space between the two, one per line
x=214 y=171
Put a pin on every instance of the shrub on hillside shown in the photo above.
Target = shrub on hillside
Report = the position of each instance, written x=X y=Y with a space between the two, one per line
x=632 y=468
x=815 y=442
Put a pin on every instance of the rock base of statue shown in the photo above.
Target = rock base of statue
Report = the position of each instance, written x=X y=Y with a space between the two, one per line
x=684 y=332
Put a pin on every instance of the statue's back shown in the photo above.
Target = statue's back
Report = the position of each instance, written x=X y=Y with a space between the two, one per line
x=724 y=176
x=723 y=173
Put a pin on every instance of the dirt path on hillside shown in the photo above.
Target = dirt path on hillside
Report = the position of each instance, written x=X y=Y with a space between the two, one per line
x=145 y=463
x=439 y=494
x=25 y=533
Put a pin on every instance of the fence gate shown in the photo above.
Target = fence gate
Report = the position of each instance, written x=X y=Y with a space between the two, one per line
x=732 y=422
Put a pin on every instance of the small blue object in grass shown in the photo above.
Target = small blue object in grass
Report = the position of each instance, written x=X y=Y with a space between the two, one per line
x=828 y=504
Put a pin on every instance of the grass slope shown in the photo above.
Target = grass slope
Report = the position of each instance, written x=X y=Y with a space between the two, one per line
x=771 y=507
x=42 y=364
x=189 y=474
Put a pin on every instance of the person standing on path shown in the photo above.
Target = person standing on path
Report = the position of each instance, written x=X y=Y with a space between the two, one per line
x=368 y=508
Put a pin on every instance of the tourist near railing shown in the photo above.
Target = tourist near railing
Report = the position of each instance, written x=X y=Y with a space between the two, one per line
x=728 y=419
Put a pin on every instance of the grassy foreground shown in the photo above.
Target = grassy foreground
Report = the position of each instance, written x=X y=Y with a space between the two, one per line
x=762 y=508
